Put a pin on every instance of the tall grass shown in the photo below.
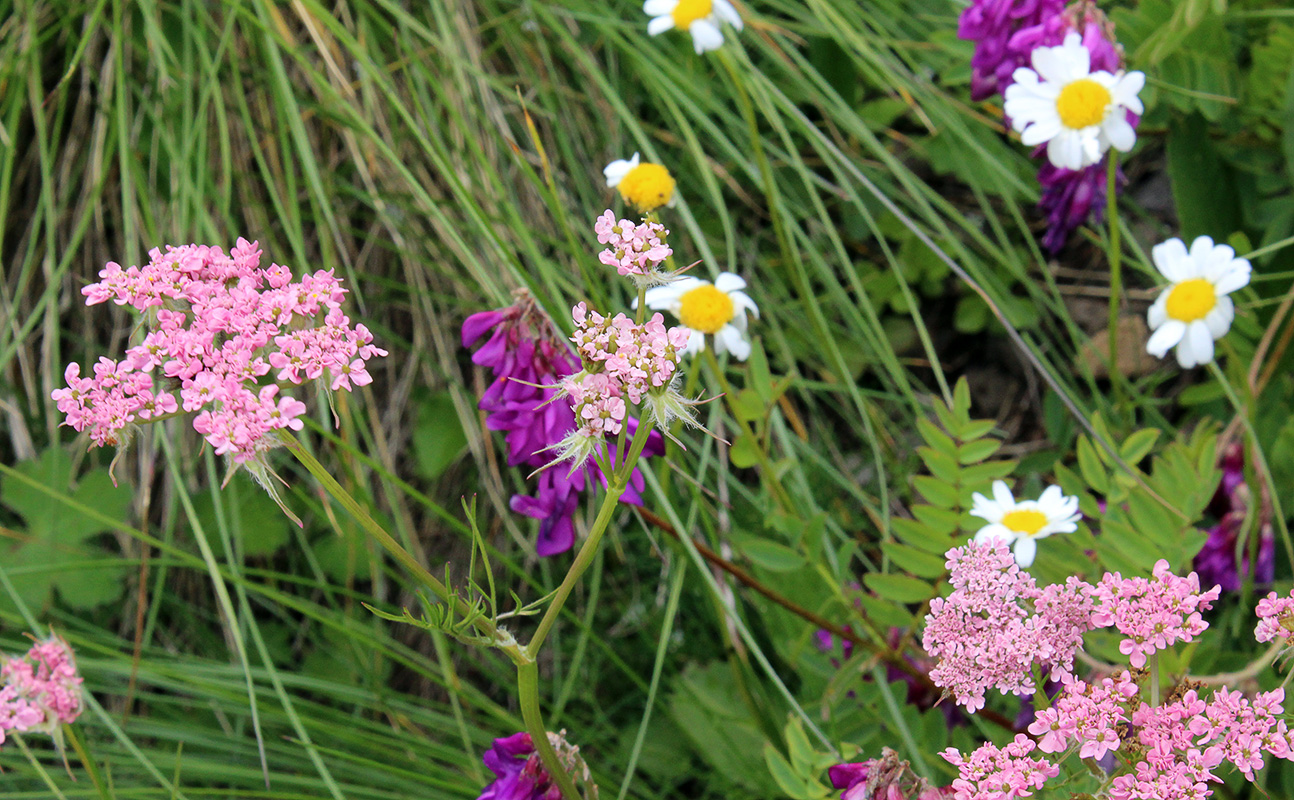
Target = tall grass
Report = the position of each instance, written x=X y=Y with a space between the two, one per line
x=440 y=156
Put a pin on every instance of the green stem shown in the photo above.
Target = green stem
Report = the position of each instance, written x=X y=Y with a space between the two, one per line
x=485 y=625
x=528 y=689
x=1116 y=266
x=527 y=669
x=581 y=563
x=40 y=768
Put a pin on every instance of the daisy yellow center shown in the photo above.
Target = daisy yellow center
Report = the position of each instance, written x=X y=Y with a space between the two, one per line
x=689 y=11
x=1024 y=520
x=705 y=309
x=1082 y=103
x=1191 y=300
x=647 y=187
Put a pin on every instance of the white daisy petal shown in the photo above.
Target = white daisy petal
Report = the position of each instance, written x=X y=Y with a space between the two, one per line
x=705 y=36
x=1044 y=130
x=1125 y=91
x=1002 y=494
x=1066 y=149
x=659 y=25
x=728 y=282
x=1233 y=279
x=1172 y=260
x=1026 y=550
x=1158 y=313
x=1166 y=337
x=1220 y=318
x=733 y=342
x=743 y=302
x=994 y=531
x=1201 y=342
x=726 y=12
x=1120 y=134
x=655 y=8
x=695 y=343
x=617 y=170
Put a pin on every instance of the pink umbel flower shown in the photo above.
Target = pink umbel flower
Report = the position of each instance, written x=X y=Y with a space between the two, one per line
x=1154 y=614
x=1275 y=617
x=636 y=250
x=624 y=363
x=993 y=773
x=997 y=624
x=221 y=332
x=41 y=690
x=1088 y=714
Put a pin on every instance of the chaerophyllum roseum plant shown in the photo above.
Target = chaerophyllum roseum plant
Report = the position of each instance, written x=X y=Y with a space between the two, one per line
x=225 y=339
x=1116 y=732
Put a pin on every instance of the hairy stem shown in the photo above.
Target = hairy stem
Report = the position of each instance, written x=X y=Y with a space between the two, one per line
x=528 y=689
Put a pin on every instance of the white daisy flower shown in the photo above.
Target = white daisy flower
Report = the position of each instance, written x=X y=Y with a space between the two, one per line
x=1195 y=309
x=644 y=185
x=701 y=18
x=717 y=309
x=1079 y=113
x=1023 y=523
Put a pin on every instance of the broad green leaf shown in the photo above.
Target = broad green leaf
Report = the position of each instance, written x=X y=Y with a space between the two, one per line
x=899 y=588
x=919 y=563
x=770 y=555
x=744 y=452
x=55 y=550
x=438 y=438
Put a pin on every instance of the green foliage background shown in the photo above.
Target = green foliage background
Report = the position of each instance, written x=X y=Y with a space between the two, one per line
x=440 y=156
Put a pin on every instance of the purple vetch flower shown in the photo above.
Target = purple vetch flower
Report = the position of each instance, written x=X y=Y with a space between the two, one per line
x=991 y=24
x=1216 y=561
x=528 y=358
x=884 y=778
x=1071 y=197
x=520 y=775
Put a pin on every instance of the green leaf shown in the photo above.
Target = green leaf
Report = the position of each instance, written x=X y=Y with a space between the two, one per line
x=256 y=524
x=56 y=551
x=917 y=562
x=790 y=783
x=977 y=450
x=769 y=555
x=749 y=406
x=936 y=491
x=942 y=466
x=1089 y=464
x=760 y=376
x=937 y=439
x=744 y=452
x=1203 y=190
x=1138 y=445
x=438 y=439
x=884 y=612
x=899 y=588
x=920 y=536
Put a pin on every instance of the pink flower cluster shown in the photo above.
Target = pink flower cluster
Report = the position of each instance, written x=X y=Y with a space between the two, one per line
x=1088 y=714
x=998 y=773
x=1186 y=739
x=1275 y=617
x=622 y=360
x=1154 y=614
x=997 y=624
x=637 y=250
x=39 y=691
x=218 y=324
